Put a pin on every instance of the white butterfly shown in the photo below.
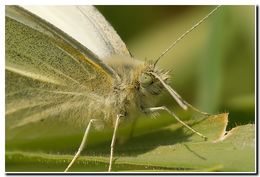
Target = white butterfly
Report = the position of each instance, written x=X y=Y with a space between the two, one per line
x=68 y=62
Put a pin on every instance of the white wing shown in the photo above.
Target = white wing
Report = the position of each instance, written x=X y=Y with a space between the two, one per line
x=48 y=73
x=86 y=25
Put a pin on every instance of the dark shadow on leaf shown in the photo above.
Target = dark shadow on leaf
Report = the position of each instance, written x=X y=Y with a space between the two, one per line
x=196 y=154
x=145 y=143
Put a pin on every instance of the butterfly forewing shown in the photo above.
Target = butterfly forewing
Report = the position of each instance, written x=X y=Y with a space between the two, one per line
x=86 y=25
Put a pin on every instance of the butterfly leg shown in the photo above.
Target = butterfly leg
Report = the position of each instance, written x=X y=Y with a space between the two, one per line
x=82 y=145
x=113 y=142
x=163 y=108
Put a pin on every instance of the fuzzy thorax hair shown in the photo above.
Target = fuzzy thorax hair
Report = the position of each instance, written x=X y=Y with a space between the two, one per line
x=137 y=87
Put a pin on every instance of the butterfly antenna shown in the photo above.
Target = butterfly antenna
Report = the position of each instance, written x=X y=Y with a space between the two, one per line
x=184 y=34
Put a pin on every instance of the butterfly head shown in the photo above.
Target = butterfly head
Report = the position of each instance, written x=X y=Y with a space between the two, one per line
x=150 y=79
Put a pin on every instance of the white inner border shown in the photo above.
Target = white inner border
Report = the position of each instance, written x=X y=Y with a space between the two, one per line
x=83 y=2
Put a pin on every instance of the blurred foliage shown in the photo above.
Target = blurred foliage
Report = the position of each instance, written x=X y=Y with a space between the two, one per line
x=212 y=68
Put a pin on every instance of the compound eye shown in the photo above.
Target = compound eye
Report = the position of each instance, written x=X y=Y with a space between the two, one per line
x=145 y=80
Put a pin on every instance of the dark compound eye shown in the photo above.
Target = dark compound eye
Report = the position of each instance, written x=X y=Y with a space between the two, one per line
x=145 y=80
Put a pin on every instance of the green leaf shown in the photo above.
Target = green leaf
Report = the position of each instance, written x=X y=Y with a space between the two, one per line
x=170 y=148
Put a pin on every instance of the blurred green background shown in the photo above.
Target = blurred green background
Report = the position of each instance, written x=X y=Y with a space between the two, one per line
x=212 y=68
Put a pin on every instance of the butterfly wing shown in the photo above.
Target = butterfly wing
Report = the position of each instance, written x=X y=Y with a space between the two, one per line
x=86 y=25
x=48 y=72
